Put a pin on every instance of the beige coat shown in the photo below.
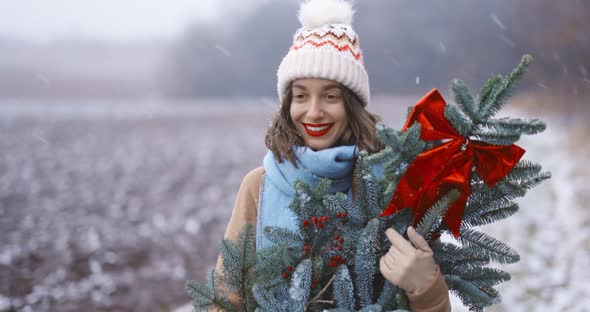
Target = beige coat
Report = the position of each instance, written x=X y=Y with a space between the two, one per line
x=436 y=298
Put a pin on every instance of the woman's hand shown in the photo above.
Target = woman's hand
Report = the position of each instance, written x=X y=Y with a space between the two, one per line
x=411 y=268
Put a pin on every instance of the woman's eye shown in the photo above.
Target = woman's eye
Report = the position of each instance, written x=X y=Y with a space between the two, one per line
x=299 y=96
x=332 y=97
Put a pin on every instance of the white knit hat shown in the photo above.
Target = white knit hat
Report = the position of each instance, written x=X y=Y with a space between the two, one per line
x=325 y=47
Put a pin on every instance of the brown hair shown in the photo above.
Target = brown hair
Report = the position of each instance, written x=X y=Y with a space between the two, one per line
x=281 y=135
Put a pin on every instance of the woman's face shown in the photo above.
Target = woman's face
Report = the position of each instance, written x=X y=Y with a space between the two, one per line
x=318 y=112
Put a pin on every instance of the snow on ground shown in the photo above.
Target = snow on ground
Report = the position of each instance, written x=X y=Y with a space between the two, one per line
x=111 y=206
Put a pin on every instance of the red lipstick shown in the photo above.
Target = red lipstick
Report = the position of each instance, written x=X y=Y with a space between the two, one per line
x=317 y=130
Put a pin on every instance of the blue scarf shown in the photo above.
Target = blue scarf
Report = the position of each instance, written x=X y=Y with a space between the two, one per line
x=278 y=185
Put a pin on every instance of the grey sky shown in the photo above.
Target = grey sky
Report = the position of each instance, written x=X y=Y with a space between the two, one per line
x=110 y=19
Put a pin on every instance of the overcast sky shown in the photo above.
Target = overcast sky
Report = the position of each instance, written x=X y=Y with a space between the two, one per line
x=111 y=19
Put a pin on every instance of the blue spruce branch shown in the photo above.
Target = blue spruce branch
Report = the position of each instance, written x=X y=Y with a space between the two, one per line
x=481 y=276
x=496 y=137
x=464 y=98
x=459 y=122
x=502 y=91
x=489 y=213
x=282 y=236
x=343 y=289
x=365 y=262
x=433 y=216
x=300 y=286
x=517 y=125
x=470 y=294
x=489 y=246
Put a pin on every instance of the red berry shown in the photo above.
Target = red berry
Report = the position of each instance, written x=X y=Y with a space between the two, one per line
x=339 y=248
x=290 y=268
x=336 y=237
x=314 y=219
x=341 y=240
x=338 y=215
x=285 y=275
x=305 y=223
x=306 y=248
x=324 y=218
x=331 y=264
x=321 y=225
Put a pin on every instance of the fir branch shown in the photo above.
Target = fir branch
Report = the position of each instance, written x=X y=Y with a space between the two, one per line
x=323 y=188
x=365 y=265
x=524 y=169
x=486 y=91
x=247 y=243
x=283 y=236
x=458 y=120
x=218 y=294
x=389 y=137
x=337 y=203
x=267 y=300
x=380 y=157
x=463 y=97
x=517 y=125
x=471 y=295
x=485 y=215
x=511 y=187
x=232 y=265
x=203 y=297
x=502 y=92
x=356 y=215
x=481 y=193
x=448 y=254
x=412 y=145
x=300 y=203
x=343 y=289
x=489 y=246
x=366 y=189
x=271 y=261
x=308 y=201
x=402 y=148
x=531 y=181
x=481 y=276
x=301 y=286
x=496 y=137
x=433 y=216
x=399 y=221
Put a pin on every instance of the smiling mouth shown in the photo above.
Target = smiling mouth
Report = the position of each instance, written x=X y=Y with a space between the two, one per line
x=317 y=130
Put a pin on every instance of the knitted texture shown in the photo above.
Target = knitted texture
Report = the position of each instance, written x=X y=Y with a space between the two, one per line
x=327 y=47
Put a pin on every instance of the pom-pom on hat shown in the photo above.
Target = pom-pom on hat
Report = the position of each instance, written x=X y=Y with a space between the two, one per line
x=326 y=46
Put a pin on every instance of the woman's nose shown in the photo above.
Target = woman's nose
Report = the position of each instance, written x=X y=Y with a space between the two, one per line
x=315 y=109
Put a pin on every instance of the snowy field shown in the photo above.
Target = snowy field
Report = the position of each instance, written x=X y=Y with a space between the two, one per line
x=112 y=206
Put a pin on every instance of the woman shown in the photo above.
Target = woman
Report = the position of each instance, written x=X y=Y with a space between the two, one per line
x=317 y=133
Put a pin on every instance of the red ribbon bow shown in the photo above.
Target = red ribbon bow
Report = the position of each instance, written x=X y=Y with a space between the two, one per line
x=447 y=166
